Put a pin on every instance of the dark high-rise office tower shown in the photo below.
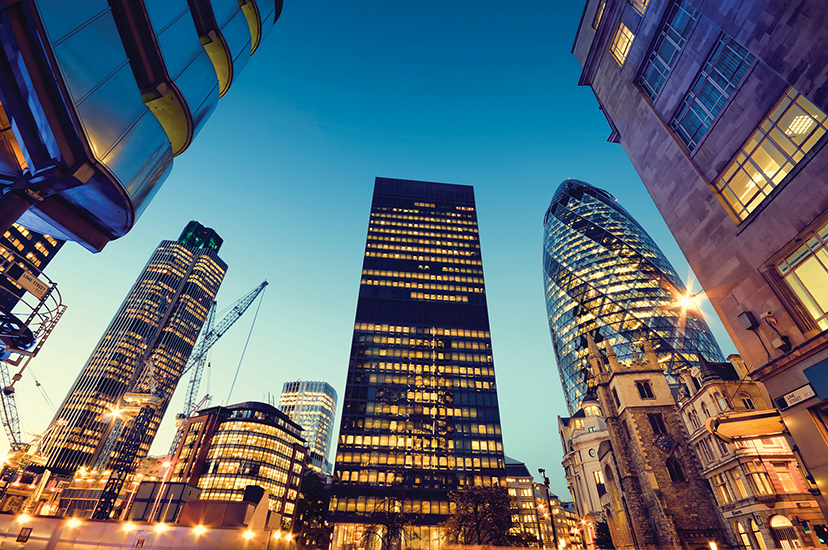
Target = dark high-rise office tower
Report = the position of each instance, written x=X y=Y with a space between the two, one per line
x=420 y=414
x=159 y=320
x=19 y=245
x=602 y=272
x=312 y=405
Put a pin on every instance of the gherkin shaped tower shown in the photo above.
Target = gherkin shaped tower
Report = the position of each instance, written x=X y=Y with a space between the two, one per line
x=605 y=275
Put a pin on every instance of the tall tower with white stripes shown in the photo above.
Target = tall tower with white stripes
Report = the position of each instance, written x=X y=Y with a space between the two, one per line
x=159 y=320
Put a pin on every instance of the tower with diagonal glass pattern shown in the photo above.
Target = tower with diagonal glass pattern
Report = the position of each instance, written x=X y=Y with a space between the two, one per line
x=420 y=414
x=605 y=275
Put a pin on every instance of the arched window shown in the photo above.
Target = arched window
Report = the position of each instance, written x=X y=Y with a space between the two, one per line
x=740 y=530
x=747 y=401
x=615 y=398
x=674 y=469
x=757 y=534
x=704 y=410
x=721 y=401
x=644 y=389
x=783 y=533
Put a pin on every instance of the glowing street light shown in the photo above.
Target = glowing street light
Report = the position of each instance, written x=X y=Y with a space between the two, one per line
x=248 y=534
x=74 y=522
x=199 y=530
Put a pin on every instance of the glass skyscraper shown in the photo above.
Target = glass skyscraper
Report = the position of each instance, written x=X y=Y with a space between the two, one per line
x=420 y=415
x=605 y=275
x=312 y=405
x=159 y=319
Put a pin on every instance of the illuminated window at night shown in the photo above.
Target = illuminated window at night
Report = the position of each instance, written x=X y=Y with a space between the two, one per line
x=722 y=72
x=598 y=13
x=722 y=489
x=621 y=43
x=806 y=273
x=667 y=47
x=758 y=477
x=785 y=477
x=791 y=129
x=639 y=5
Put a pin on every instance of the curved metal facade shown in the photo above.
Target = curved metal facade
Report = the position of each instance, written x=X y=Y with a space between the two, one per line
x=602 y=272
x=97 y=97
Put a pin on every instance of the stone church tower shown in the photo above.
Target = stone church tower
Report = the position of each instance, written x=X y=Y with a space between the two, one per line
x=656 y=497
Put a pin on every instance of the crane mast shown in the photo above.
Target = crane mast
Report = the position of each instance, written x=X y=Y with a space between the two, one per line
x=144 y=404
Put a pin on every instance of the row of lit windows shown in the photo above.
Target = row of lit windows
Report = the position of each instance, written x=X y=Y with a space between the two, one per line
x=439 y=297
x=384 y=236
x=434 y=331
x=420 y=342
x=422 y=461
x=436 y=412
x=397 y=352
x=465 y=220
x=371 y=504
x=422 y=381
x=380 y=228
x=442 y=259
x=424 y=286
x=425 y=276
x=441 y=251
x=259 y=455
x=408 y=427
x=419 y=381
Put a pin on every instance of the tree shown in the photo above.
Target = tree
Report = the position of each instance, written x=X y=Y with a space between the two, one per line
x=388 y=523
x=309 y=524
x=482 y=516
x=603 y=537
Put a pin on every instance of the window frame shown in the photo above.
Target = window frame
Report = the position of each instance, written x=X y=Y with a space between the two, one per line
x=621 y=53
x=644 y=385
x=664 y=35
x=708 y=118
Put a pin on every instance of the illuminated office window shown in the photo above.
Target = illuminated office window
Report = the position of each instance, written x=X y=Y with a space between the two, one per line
x=720 y=75
x=621 y=43
x=667 y=47
x=791 y=128
x=598 y=13
x=806 y=273
x=639 y=5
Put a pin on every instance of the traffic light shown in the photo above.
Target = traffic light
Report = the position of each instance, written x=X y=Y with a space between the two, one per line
x=821 y=532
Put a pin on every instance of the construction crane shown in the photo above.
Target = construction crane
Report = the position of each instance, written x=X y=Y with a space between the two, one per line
x=140 y=406
x=208 y=336
x=21 y=339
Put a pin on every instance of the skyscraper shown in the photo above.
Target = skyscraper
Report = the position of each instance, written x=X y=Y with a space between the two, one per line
x=160 y=320
x=312 y=405
x=420 y=415
x=602 y=272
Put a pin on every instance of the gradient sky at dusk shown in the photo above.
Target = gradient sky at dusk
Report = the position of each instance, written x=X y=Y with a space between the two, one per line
x=481 y=93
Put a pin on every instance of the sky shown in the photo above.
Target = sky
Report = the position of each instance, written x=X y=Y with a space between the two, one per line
x=478 y=92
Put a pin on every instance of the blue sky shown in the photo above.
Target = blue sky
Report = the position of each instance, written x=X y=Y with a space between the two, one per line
x=481 y=93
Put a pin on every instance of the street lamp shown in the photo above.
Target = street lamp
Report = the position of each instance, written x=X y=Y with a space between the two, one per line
x=542 y=472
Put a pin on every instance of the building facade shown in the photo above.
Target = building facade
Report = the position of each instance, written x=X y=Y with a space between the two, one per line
x=721 y=107
x=764 y=499
x=158 y=322
x=526 y=516
x=97 y=99
x=312 y=405
x=420 y=414
x=602 y=270
x=655 y=494
x=225 y=449
x=34 y=250
x=581 y=437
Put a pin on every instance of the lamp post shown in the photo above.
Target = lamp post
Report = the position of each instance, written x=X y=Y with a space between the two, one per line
x=542 y=472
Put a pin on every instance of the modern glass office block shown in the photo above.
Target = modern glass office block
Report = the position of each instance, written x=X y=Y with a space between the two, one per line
x=159 y=320
x=420 y=414
x=96 y=98
x=312 y=405
x=603 y=274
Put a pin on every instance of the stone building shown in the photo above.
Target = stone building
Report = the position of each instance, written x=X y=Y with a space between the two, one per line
x=720 y=105
x=656 y=497
x=520 y=485
x=581 y=436
x=762 y=496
